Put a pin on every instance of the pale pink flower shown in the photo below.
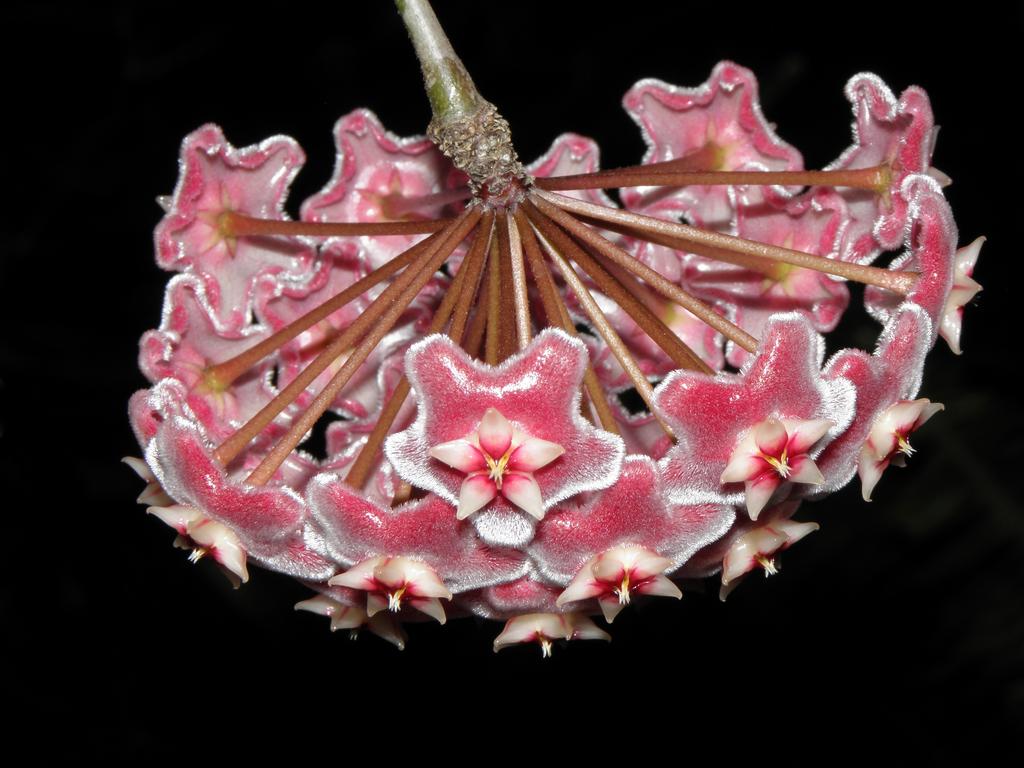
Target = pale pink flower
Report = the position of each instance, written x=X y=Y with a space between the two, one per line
x=498 y=459
x=546 y=628
x=719 y=126
x=964 y=289
x=534 y=393
x=217 y=179
x=615 y=574
x=889 y=439
x=755 y=545
x=390 y=580
x=772 y=452
x=353 y=618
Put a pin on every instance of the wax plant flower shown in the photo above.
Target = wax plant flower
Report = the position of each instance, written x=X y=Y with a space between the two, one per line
x=543 y=406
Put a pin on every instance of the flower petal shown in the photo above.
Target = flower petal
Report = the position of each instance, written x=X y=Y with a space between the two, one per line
x=533 y=454
x=803 y=470
x=662 y=586
x=495 y=433
x=460 y=454
x=522 y=490
x=770 y=437
x=476 y=492
x=759 y=491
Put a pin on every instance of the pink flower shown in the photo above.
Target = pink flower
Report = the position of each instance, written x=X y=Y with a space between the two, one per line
x=717 y=126
x=522 y=416
x=546 y=628
x=353 y=618
x=492 y=339
x=498 y=459
x=390 y=580
x=964 y=289
x=773 y=452
x=898 y=134
x=615 y=574
x=717 y=419
x=755 y=545
x=889 y=439
x=195 y=236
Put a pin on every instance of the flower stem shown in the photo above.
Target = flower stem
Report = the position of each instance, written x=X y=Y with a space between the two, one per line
x=875 y=179
x=655 y=280
x=651 y=324
x=558 y=317
x=220 y=376
x=643 y=226
x=511 y=241
x=449 y=87
x=466 y=127
x=378 y=327
x=455 y=304
x=235 y=444
x=608 y=333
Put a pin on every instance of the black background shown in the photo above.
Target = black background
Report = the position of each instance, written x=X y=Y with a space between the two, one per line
x=895 y=632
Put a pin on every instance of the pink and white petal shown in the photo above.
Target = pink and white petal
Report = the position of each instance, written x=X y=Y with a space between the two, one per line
x=612 y=565
x=420 y=579
x=583 y=587
x=770 y=437
x=430 y=606
x=522 y=490
x=153 y=494
x=583 y=628
x=537 y=390
x=386 y=626
x=742 y=555
x=804 y=433
x=759 y=491
x=744 y=463
x=477 y=491
x=361 y=576
x=647 y=564
x=376 y=602
x=611 y=606
x=533 y=627
x=533 y=454
x=494 y=433
x=661 y=586
x=804 y=470
x=222 y=543
x=342 y=616
x=964 y=289
x=870 y=471
x=177 y=516
x=460 y=454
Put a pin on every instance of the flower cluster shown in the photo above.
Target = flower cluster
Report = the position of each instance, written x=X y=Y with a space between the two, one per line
x=478 y=351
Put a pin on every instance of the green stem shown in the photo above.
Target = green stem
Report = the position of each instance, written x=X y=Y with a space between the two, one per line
x=449 y=87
